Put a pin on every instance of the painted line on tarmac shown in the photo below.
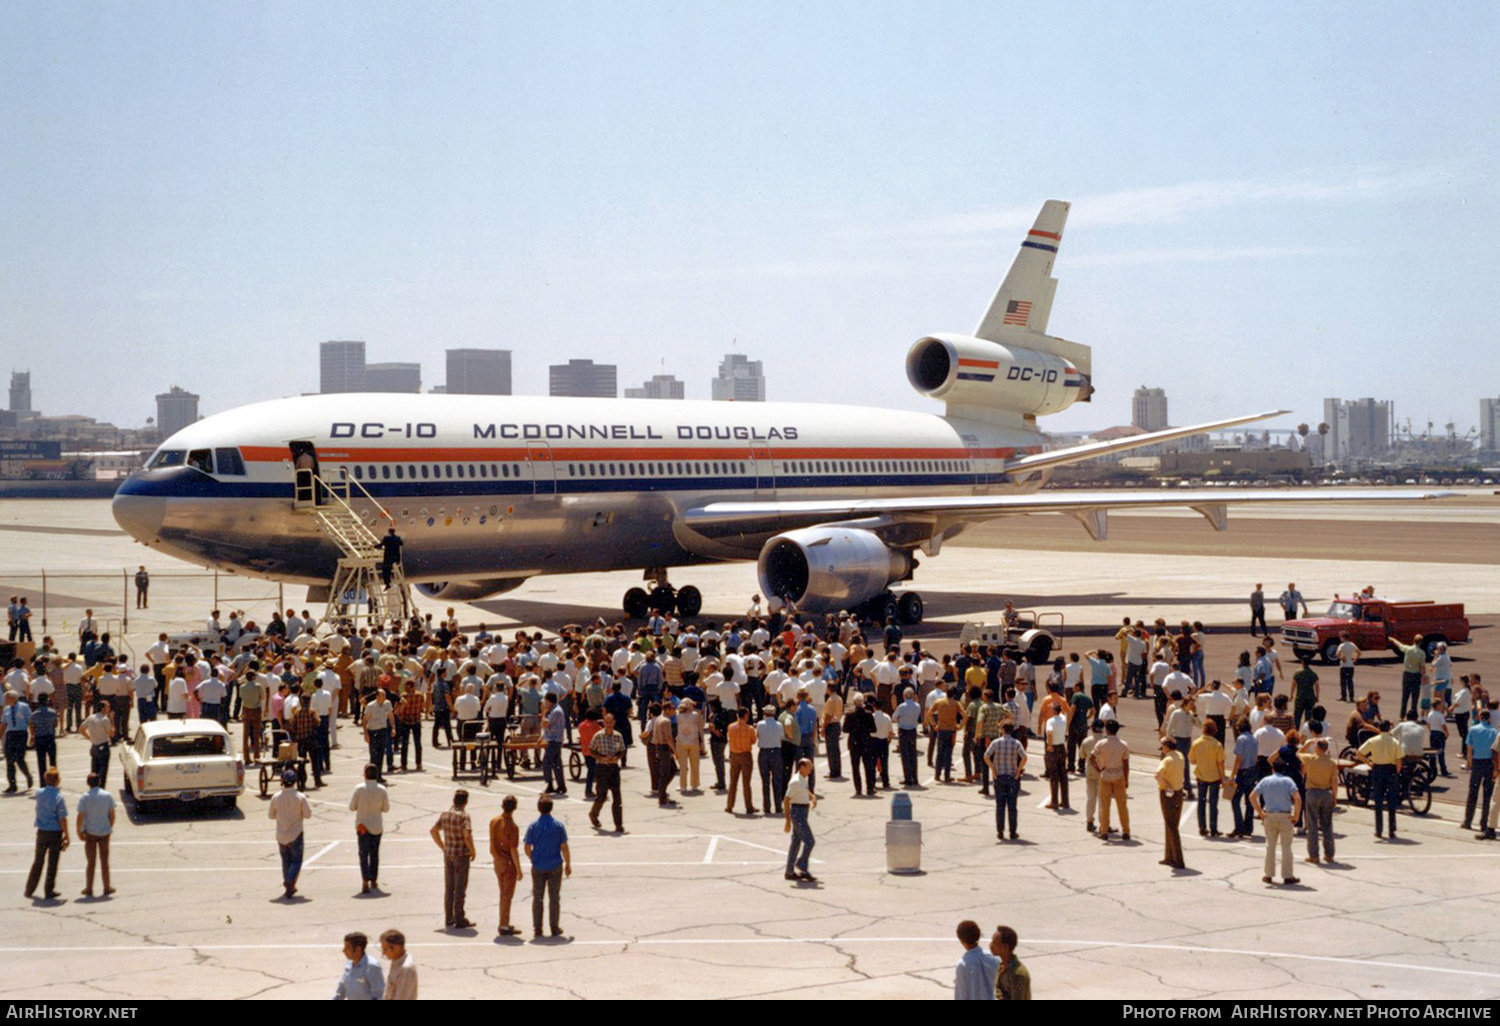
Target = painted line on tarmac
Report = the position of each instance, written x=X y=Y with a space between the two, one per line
x=743 y=941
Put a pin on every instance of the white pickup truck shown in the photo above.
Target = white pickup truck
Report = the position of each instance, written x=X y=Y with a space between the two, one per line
x=182 y=760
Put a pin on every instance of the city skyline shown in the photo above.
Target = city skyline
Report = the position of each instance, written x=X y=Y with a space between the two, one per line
x=212 y=185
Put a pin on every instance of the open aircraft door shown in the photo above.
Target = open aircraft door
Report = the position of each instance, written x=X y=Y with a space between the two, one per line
x=543 y=471
x=764 y=468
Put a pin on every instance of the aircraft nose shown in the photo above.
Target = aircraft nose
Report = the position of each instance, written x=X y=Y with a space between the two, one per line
x=140 y=515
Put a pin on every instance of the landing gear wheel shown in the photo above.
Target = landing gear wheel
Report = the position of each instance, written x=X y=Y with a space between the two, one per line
x=663 y=599
x=637 y=604
x=883 y=608
x=910 y=608
x=689 y=602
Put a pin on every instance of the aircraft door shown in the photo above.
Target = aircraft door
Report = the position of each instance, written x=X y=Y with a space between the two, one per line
x=764 y=469
x=304 y=456
x=543 y=472
x=979 y=464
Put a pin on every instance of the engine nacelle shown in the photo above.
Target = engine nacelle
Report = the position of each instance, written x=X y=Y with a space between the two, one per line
x=975 y=372
x=469 y=591
x=824 y=569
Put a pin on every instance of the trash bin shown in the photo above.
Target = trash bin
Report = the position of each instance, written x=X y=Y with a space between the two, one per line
x=903 y=838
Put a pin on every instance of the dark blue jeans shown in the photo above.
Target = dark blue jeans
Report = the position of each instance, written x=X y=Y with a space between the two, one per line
x=1007 y=788
x=1385 y=794
x=770 y=779
x=1185 y=745
x=378 y=739
x=1208 y=806
x=800 y=852
x=369 y=856
x=291 y=861
x=1244 y=813
x=46 y=752
x=945 y=754
x=907 y=742
x=552 y=767
x=147 y=709
x=407 y=735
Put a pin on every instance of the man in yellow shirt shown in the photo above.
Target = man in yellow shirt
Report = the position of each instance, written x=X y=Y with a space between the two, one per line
x=1383 y=754
x=1320 y=775
x=1169 y=778
x=1207 y=756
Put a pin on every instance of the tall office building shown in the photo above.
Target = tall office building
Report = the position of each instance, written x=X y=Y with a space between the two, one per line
x=175 y=410
x=20 y=392
x=341 y=367
x=478 y=372
x=740 y=379
x=393 y=377
x=1357 y=428
x=661 y=386
x=1148 y=409
x=583 y=378
x=1489 y=424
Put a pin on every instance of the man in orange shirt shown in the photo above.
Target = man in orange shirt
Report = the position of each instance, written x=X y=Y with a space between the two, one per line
x=742 y=741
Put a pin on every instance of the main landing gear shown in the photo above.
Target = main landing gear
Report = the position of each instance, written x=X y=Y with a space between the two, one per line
x=662 y=598
x=906 y=608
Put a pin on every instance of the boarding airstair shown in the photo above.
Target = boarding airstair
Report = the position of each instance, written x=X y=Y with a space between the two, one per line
x=356 y=592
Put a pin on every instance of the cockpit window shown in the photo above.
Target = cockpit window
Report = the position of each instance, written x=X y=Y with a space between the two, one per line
x=167 y=458
x=201 y=459
x=229 y=462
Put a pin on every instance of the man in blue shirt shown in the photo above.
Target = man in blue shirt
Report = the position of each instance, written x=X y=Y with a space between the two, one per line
x=1264 y=673
x=1480 y=742
x=908 y=717
x=17 y=720
x=44 y=737
x=1245 y=777
x=362 y=980
x=554 y=722
x=96 y=822
x=1278 y=803
x=546 y=844
x=51 y=834
x=807 y=723
x=974 y=978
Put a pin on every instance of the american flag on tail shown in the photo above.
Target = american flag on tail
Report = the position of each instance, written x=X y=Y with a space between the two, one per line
x=1017 y=311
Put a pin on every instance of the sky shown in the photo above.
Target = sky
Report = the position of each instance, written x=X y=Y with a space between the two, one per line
x=1272 y=202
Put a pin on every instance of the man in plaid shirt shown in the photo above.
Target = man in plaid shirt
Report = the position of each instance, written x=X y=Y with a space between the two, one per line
x=409 y=723
x=987 y=714
x=1006 y=759
x=454 y=834
x=303 y=726
x=607 y=746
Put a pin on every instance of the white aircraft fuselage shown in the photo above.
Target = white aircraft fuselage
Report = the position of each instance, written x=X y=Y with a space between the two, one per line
x=501 y=488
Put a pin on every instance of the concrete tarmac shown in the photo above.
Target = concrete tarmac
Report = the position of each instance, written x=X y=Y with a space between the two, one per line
x=691 y=903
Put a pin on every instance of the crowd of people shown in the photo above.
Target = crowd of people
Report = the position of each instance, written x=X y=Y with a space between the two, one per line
x=760 y=697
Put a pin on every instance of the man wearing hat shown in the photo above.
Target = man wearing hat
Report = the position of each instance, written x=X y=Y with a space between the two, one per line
x=288 y=808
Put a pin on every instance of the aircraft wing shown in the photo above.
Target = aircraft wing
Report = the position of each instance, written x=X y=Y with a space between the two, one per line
x=1093 y=450
x=748 y=518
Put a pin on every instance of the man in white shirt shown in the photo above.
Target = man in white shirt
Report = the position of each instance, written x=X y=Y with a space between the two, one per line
x=1214 y=705
x=1347 y=654
x=881 y=739
x=1268 y=741
x=288 y=808
x=369 y=800
x=1056 y=759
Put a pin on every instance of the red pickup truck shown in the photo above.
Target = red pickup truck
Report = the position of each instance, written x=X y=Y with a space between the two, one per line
x=1372 y=622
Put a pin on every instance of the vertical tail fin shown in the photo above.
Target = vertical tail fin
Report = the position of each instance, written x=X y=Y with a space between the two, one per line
x=1025 y=297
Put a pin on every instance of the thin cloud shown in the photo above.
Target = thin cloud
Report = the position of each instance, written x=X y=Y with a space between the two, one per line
x=1193 y=254
x=1169 y=203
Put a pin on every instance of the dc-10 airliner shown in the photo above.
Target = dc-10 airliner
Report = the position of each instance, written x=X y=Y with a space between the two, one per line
x=833 y=502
